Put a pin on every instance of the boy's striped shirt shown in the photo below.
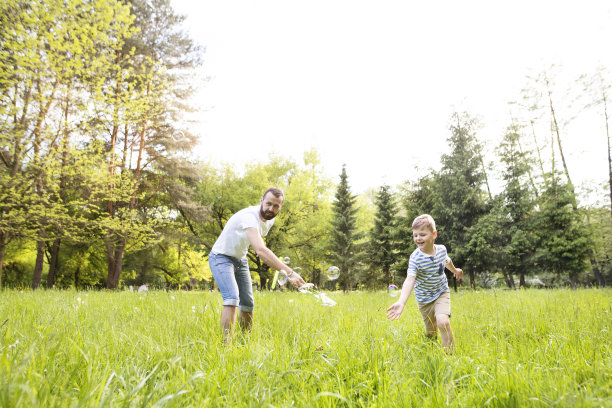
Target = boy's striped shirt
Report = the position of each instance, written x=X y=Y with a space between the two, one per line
x=430 y=279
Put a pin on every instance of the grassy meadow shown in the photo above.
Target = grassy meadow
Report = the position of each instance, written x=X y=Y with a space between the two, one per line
x=527 y=348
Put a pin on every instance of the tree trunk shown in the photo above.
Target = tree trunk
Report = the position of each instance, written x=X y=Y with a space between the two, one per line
x=599 y=279
x=114 y=253
x=533 y=185
x=53 y=263
x=573 y=281
x=522 y=280
x=38 y=267
x=3 y=244
x=472 y=280
x=316 y=276
x=556 y=127
x=535 y=141
x=605 y=102
x=347 y=285
x=486 y=177
x=76 y=277
x=509 y=279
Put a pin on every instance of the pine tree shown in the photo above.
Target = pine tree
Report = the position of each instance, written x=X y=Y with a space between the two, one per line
x=564 y=244
x=415 y=199
x=518 y=205
x=382 y=244
x=344 y=248
x=461 y=198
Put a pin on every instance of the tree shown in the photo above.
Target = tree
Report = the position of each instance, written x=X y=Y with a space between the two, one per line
x=415 y=198
x=382 y=254
x=488 y=241
x=519 y=206
x=141 y=109
x=52 y=56
x=305 y=219
x=461 y=200
x=344 y=247
x=541 y=97
x=599 y=224
x=563 y=242
x=598 y=88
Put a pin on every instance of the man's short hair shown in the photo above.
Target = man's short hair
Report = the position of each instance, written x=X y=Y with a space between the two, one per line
x=275 y=191
x=424 y=221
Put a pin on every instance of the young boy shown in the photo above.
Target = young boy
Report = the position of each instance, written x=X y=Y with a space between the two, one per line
x=426 y=276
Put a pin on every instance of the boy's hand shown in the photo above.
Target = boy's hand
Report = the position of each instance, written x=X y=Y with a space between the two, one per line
x=458 y=273
x=395 y=311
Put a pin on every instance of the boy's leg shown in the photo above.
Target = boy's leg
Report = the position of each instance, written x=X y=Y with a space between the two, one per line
x=443 y=313
x=448 y=340
x=428 y=312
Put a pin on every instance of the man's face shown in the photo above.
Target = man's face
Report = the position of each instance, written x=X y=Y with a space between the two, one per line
x=270 y=206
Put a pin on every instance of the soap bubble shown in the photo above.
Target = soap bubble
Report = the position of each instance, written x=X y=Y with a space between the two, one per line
x=393 y=290
x=333 y=272
x=282 y=278
x=286 y=260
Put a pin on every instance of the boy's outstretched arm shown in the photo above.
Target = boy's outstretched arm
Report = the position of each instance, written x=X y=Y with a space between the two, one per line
x=458 y=272
x=395 y=310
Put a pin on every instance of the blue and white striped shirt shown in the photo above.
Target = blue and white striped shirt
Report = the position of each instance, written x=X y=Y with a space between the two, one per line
x=428 y=270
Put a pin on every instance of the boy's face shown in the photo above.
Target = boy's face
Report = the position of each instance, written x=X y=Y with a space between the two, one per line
x=424 y=238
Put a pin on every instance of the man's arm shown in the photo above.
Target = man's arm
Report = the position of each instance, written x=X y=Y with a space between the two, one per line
x=269 y=258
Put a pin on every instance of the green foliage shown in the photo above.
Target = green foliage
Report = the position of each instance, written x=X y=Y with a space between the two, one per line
x=453 y=197
x=52 y=52
x=503 y=239
x=564 y=244
x=382 y=253
x=303 y=224
x=599 y=225
x=416 y=198
x=96 y=173
x=345 y=248
x=460 y=198
x=301 y=229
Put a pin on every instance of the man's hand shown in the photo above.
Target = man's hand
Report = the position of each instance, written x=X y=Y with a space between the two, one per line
x=395 y=311
x=458 y=273
x=296 y=280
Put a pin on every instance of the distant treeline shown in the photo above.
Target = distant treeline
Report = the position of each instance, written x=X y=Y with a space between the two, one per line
x=99 y=188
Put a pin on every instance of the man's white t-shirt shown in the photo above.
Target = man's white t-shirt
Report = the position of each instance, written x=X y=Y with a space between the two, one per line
x=233 y=240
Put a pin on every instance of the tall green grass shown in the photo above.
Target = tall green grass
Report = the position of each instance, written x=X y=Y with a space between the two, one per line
x=531 y=348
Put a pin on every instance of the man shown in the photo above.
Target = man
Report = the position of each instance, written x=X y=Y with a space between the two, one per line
x=229 y=264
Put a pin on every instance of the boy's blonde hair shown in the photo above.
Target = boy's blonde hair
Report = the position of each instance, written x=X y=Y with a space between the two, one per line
x=424 y=221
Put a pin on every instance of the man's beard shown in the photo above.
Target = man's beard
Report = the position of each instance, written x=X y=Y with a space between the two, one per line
x=266 y=215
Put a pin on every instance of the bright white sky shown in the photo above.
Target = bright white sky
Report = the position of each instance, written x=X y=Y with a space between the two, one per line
x=372 y=84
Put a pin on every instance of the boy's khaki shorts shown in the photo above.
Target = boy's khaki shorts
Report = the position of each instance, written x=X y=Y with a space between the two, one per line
x=429 y=311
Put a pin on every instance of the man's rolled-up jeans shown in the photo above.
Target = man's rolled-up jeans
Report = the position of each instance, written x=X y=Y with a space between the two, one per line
x=234 y=280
